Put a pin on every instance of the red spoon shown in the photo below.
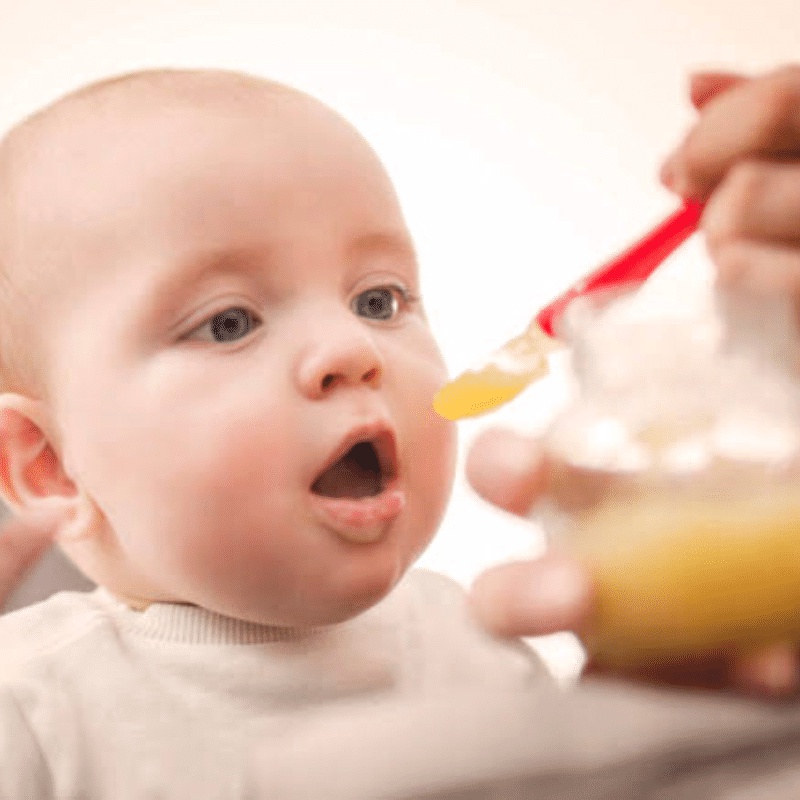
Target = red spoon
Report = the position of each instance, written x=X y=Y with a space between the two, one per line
x=524 y=359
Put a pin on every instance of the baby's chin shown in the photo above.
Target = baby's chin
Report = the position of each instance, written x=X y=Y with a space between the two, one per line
x=332 y=598
x=318 y=615
x=315 y=610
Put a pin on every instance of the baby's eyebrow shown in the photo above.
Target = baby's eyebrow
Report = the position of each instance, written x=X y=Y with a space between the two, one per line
x=213 y=262
x=391 y=242
x=243 y=259
x=168 y=290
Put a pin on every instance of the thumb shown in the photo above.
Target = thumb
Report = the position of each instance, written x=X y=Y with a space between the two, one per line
x=506 y=468
x=533 y=598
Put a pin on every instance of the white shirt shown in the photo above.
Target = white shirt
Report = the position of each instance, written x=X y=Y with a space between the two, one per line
x=100 y=701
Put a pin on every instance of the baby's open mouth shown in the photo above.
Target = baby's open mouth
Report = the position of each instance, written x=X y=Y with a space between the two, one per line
x=357 y=493
x=362 y=471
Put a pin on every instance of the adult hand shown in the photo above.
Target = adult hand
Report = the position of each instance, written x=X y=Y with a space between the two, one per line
x=23 y=541
x=743 y=157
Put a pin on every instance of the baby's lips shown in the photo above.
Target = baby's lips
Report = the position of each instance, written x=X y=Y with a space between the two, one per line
x=360 y=520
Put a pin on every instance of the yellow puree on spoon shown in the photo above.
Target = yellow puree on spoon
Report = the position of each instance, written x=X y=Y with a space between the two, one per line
x=501 y=378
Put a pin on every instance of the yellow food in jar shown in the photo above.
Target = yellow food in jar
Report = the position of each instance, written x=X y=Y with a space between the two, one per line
x=678 y=576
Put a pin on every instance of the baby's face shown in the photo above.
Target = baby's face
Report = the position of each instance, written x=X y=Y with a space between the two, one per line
x=239 y=314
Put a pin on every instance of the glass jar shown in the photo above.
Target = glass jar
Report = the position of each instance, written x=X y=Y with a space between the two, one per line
x=674 y=474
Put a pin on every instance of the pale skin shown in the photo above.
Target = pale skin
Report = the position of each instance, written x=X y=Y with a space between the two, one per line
x=238 y=298
x=742 y=156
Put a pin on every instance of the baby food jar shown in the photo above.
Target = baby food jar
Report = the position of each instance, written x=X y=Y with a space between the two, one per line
x=674 y=475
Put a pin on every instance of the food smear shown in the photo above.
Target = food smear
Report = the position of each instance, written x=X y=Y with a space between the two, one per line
x=501 y=378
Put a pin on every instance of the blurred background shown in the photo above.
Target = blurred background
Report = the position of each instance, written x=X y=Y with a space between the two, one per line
x=524 y=139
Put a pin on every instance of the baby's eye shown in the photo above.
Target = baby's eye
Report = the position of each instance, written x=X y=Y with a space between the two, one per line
x=381 y=303
x=227 y=326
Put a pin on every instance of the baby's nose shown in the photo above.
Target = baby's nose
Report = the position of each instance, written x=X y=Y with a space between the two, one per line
x=340 y=360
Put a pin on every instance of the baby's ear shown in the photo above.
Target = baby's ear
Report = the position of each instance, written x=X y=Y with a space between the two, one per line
x=32 y=478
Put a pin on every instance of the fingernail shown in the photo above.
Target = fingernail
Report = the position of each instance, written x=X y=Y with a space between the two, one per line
x=500 y=453
x=560 y=593
x=667 y=173
x=673 y=178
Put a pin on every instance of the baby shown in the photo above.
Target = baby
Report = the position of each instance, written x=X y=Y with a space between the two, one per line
x=217 y=372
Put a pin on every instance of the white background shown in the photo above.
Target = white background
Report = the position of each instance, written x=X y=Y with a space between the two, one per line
x=524 y=138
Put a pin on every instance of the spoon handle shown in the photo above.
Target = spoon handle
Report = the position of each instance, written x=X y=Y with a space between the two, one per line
x=635 y=265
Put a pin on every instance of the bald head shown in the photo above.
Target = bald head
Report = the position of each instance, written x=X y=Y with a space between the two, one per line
x=138 y=92
x=46 y=158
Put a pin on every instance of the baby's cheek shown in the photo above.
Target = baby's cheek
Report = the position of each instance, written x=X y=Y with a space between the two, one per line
x=432 y=464
x=433 y=439
x=441 y=450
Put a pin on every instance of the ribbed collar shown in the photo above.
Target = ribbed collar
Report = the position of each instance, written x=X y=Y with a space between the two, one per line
x=176 y=622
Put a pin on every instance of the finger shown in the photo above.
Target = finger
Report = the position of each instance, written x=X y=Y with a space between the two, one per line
x=533 y=598
x=772 y=672
x=758 y=117
x=705 y=86
x=756 y=200
x=22 y=543
x=759 y=268
x=506 y=469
